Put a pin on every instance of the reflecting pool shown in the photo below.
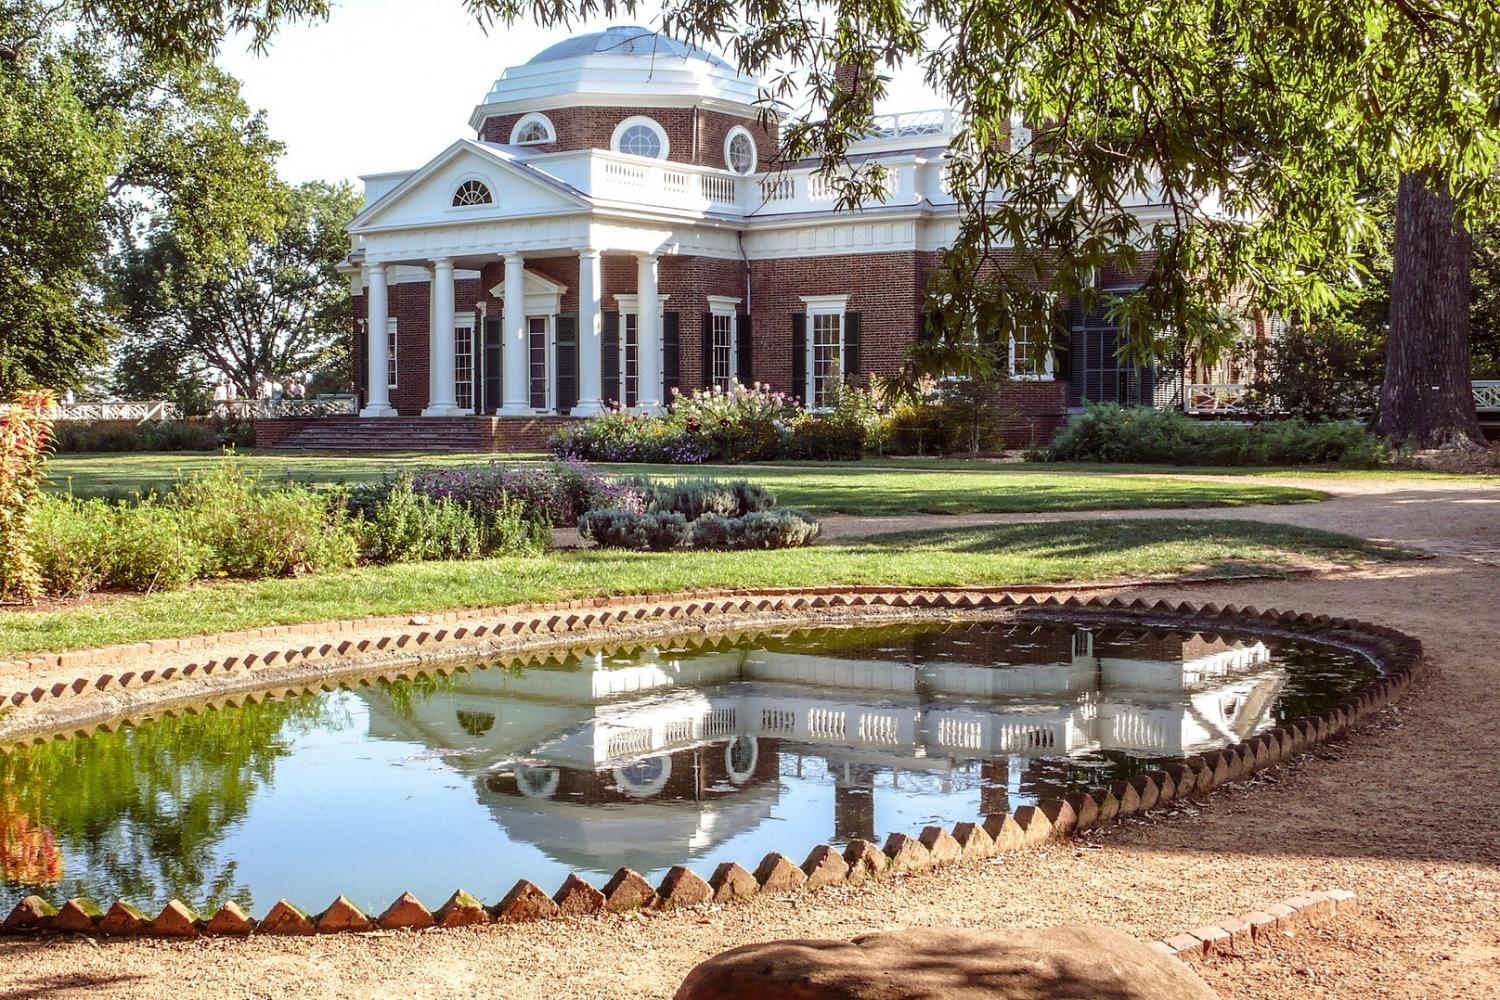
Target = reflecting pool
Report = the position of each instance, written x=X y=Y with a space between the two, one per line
x=647 y=758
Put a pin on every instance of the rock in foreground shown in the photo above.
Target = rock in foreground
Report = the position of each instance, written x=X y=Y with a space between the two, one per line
x=1059 y=963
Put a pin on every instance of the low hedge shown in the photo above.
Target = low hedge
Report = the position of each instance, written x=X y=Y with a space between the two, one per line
x=1107 y=432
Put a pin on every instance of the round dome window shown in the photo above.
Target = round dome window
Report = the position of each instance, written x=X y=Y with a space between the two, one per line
x=739 y=151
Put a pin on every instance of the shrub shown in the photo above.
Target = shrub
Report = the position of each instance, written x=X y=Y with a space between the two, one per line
x=692 y=498
x=192 y=434
x=1111 y=433
x=842 y=433
x=513 y=531
x=744 y=424
x=771 y=529
x=627 y=529
x=553 y=493
x=249 y=531
x=621 y=436
x=409 y=527
x=149 y=550
x=25 y=431
x=69 y=540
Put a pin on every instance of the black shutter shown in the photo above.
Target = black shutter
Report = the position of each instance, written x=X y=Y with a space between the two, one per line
x=361 y=364
x=930 y=329
x=609 y=359
x=852 y=371
x=708 y=350
x=744 y=369
x=671 y=354
x=799 y=355
x=567 y=361
x=494 y=362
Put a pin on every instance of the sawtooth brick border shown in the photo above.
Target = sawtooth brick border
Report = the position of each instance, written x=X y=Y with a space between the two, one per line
x=1398 y=656
x=1237 y=935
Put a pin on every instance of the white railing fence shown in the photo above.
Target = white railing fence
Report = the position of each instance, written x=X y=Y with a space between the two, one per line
x=1233 y=398
x=1487 y=395
x=135 y=411
x=329 y=405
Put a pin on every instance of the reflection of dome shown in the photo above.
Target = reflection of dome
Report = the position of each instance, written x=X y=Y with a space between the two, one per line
x=624 y=40
x=644 y=778
x=537 y=782
x=740 y=757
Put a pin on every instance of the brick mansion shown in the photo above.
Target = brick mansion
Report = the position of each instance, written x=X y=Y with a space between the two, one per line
x=618 y=226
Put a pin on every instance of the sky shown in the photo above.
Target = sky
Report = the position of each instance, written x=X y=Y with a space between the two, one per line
x=388 y=84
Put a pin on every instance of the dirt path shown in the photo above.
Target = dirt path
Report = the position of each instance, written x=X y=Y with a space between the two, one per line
x=1407 y=815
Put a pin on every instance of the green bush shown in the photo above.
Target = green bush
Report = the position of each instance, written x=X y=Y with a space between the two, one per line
x=250 y=531
x=1108 y=432
x=69 y=542
x=192 y=434
x=771 y=529
x=410 y=527
x=842 y=433
x=513 y=531
x=149 y=550
x=626 y=529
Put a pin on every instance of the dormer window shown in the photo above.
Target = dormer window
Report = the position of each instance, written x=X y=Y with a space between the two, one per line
x=472 y=193
x=531 y=130
x=641 y=136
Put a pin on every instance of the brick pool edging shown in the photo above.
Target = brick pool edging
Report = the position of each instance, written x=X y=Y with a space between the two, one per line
x=1398 y=655
x=1236 y=935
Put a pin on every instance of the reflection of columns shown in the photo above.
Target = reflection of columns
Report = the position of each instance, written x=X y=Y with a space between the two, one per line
x=590 y=365
x=994 y=793
x=513 y=338
x=648 y=336
x=377 y=345
x=442 y=400
x=854 y=803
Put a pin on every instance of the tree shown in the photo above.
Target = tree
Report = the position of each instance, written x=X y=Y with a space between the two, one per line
x=1247 y=132
x=282 y=311
x=110 y=114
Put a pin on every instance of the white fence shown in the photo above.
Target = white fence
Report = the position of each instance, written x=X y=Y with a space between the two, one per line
x=1234 y=399
x=332 y=405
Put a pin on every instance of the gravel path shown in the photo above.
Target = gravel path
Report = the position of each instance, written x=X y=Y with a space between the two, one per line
x=1406 y=814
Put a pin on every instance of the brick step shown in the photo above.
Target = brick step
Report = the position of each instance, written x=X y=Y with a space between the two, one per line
x=409 y=433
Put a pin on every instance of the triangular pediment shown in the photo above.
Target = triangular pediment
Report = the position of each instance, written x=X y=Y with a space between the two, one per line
x=425 y=198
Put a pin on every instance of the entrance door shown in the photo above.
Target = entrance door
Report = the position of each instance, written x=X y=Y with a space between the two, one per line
x=492 y=357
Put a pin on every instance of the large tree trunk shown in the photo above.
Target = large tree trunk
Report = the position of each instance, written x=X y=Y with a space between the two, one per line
x=1426 y=400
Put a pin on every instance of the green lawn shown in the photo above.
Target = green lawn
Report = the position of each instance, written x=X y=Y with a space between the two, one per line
x=1007 y=554
x=855 y=488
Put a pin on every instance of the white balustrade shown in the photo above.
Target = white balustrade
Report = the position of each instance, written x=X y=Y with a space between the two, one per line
x=1487 y=395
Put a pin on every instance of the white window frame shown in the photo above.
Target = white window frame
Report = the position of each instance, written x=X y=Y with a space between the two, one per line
x=739 y=130
x=649 y=122
x=822 y=305
x=464 y=321
x=629 y=305
x=390 y=353
x=549 y=376
x=1046 y=374
x=725 y=307
x=534 y=118
x=472 y=179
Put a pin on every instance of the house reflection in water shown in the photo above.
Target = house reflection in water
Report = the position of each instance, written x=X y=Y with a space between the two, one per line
x=675 y=753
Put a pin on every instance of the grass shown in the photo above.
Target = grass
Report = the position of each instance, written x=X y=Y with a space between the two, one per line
x=1000 y=555
x=869 y=488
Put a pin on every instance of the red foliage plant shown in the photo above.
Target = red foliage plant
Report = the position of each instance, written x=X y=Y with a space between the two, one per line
x=25 y=430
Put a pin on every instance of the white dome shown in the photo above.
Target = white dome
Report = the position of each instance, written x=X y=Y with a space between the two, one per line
x=624 y=61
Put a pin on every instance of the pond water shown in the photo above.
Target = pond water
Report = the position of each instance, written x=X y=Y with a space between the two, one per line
x=647 y=758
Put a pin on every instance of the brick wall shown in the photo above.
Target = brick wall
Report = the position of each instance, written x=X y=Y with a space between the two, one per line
x=593 y=128
x=886 y=289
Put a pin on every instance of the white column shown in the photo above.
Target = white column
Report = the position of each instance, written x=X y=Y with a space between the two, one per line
x=517 y=363
x=590 y=335
x=377 y=340
x=442 y=401
x=648 y=336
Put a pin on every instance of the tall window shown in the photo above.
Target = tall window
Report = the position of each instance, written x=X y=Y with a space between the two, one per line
x=827 y=356
x=536 y=340
x=472 y=193
x=723 y=351
x=1031 y=351
x=630 y=359
x=390 y=352
x=463 y=364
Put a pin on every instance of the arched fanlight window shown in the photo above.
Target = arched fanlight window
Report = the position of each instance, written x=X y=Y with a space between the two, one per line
x=472 y=193
x=533 y=128
x=641 y=136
